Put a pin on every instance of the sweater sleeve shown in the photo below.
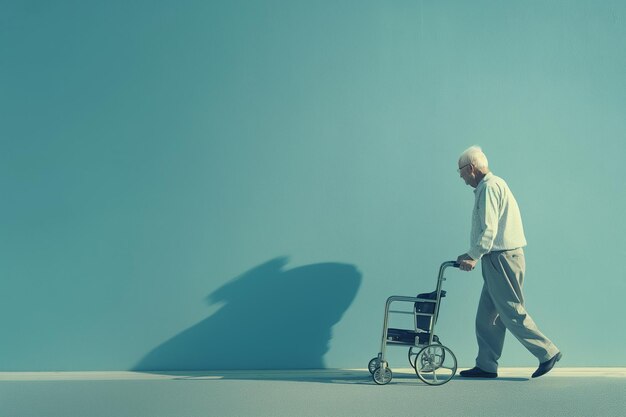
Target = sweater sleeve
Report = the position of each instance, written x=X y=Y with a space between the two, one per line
x=487 y=212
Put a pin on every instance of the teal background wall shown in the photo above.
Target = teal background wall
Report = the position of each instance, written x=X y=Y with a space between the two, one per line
x=294 y=162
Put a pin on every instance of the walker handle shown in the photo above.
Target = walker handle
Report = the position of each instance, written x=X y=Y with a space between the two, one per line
x=456 y=264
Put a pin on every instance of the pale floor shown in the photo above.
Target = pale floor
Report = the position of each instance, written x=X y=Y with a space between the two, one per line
x=570 y=392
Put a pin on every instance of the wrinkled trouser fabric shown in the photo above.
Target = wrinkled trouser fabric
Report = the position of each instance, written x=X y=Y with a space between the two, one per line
x=501 y=307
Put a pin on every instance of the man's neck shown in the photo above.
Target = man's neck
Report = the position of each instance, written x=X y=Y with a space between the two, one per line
x=479 y=177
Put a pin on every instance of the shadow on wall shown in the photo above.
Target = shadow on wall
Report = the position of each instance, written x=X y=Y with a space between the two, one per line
x=272 y=318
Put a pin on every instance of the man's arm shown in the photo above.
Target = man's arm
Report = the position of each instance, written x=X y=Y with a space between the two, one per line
x=488 y=217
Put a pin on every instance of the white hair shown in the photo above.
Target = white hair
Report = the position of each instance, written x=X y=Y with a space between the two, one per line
x=474 y=155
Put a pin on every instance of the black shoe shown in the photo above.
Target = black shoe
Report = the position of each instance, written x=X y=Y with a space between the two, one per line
x=476 y=372
x=547 y=366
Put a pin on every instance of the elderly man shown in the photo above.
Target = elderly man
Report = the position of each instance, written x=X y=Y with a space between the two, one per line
x=497 y=239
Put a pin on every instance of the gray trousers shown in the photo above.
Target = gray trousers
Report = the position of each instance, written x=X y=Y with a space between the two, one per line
x=501 y=307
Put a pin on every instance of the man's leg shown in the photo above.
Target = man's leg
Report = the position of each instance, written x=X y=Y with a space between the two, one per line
x=490 y=333
x=504 y=275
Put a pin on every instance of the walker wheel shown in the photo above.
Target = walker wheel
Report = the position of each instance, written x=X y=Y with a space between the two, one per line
x=412 y=355
x=382 y=377
x=435 y=364
x=414 y=350
x=374 y=363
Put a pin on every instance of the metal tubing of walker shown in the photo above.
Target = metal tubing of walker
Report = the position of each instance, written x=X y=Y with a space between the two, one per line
x=393 y=298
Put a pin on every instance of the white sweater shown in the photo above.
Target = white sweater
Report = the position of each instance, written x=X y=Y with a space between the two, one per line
x=496 y=219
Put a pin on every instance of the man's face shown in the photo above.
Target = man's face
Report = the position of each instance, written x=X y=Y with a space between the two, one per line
x=468 y=174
